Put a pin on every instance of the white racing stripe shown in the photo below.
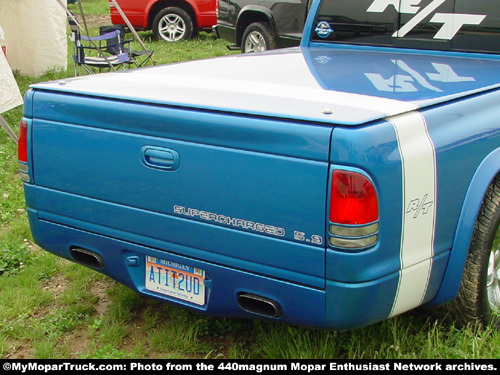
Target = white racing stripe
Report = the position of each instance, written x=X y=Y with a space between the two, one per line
x=418 y=158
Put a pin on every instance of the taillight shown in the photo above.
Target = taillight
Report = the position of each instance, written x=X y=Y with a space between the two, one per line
x=22 y=142
x=22 y=151
x=353 y=211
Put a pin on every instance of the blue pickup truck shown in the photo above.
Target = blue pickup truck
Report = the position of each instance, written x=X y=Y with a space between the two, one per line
x=332 y=185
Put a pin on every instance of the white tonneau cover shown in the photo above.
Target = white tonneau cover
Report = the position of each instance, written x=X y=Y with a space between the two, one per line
x=334 y=86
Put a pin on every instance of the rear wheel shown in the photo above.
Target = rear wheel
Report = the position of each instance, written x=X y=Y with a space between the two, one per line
x=172 y=24
x=258 y=37
x=478 y=300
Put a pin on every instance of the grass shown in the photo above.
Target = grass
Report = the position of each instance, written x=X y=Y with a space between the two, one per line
x=51 y=308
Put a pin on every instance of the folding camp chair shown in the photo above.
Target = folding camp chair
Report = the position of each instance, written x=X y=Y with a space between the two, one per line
x=92 y=52
x=140 y=58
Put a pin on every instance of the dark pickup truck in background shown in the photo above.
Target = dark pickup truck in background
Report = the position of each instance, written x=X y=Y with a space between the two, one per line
x=256 y=26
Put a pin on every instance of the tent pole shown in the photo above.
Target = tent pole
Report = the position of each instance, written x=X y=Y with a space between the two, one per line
x=72 y=17
x=129 y=25
x=8 y=129
x=69 y=14
x=83 y=17
x=88 y=34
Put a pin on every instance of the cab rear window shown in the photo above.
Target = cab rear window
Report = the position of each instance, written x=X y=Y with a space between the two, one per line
x=454 y=25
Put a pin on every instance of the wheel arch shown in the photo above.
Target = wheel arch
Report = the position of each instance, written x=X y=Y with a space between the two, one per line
x=250 y=14
x=188 y=5
x=483 y=177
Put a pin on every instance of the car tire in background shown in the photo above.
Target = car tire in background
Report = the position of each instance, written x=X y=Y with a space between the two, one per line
x=172 y=24
x=258 y=37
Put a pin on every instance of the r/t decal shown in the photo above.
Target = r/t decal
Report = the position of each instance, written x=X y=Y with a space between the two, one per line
x=410 y=80
x=419 y=206
x=451 y=22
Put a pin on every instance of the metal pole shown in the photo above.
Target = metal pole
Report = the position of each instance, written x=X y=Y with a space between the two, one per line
x=73 y=18
x=129 y=25
x=8 y=129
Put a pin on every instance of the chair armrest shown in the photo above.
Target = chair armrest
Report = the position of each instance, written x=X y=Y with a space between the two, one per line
x=110 y=35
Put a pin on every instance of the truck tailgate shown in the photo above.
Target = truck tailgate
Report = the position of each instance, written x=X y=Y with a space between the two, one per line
x=175 y=179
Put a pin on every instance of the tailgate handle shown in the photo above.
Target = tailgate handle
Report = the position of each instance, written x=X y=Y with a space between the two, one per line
x=160 y=158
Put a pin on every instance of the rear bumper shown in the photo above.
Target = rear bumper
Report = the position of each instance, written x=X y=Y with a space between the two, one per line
x=340 y=306
x=125 y=262
x=226 y=32
x=215 y=31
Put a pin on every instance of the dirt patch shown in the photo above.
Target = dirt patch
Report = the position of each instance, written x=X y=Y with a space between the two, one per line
x=21 y=351
x=78 y=340
x=95 y=19
x=56 y=285
x=100 y=289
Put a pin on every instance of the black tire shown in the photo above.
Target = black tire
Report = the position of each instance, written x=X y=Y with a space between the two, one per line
x=478 y=300
x=172 y=24
x=258 y=37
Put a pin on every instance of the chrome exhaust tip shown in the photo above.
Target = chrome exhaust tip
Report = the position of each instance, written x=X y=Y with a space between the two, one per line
x=259 y=305
x=87 y=258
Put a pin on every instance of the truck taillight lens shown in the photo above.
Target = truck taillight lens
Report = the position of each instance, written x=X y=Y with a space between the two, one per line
x=22 y=142
x=353 y=199
x=22 y=151
x=353 y=211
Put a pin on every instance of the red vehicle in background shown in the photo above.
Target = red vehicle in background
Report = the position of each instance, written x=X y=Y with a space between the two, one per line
x=170 y=20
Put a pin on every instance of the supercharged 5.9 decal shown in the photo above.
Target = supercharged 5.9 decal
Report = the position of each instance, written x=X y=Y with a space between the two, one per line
x=246 y=224
x=230 y=221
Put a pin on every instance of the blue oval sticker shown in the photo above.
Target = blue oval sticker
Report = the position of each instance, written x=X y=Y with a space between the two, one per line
x=323 y=29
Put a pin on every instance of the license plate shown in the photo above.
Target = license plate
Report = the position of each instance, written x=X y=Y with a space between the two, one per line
x=175 y=280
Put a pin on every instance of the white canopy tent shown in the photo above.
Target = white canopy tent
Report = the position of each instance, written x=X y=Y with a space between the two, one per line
x=10 y=96
x=35 y=35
